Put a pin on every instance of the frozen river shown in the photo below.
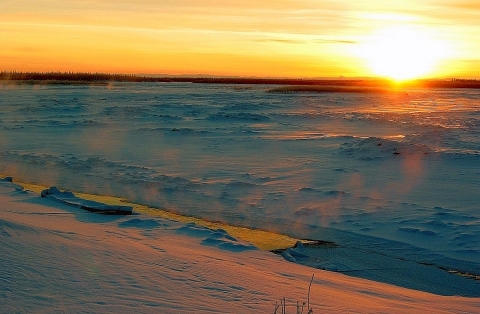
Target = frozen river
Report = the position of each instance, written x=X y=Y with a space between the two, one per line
x=396 y=173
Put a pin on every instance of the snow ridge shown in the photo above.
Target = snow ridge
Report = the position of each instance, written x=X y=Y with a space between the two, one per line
x=70 y=199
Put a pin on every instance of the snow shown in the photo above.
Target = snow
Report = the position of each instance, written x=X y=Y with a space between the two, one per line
x=388 y=181
x=70 y=199
x=59 y=258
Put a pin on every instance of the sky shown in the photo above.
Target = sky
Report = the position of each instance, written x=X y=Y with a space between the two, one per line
x=284 y=38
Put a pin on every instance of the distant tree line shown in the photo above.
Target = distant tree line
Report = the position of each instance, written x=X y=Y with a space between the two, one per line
x=453 y=83
x=105 y=77
x=94 y=78
x=70 y=76
x=465 y=80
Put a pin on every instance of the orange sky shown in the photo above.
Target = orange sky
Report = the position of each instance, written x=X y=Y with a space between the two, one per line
x=311 y=38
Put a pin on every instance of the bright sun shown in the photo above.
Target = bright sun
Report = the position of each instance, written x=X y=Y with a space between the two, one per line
x=402 y=53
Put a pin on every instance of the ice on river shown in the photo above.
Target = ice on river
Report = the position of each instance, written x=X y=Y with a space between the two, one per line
x=392 y=174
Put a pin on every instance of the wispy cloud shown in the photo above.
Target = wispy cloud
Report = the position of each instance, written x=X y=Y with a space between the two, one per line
x=300 y=42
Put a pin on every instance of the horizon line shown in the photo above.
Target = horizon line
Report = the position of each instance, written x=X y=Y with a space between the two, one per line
x=212 y=76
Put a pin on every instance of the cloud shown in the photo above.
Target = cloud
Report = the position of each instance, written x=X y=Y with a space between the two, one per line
x=465 y=4
x=334 y=41
x=282 y=41
x=299 y=42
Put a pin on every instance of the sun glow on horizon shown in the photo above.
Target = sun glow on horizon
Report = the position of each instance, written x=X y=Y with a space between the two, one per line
x=403 y=53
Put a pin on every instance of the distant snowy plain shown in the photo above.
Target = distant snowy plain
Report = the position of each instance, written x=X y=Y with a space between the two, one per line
x=391 y=176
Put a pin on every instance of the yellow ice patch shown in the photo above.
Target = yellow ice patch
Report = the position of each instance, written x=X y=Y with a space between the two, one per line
x=263 y=239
